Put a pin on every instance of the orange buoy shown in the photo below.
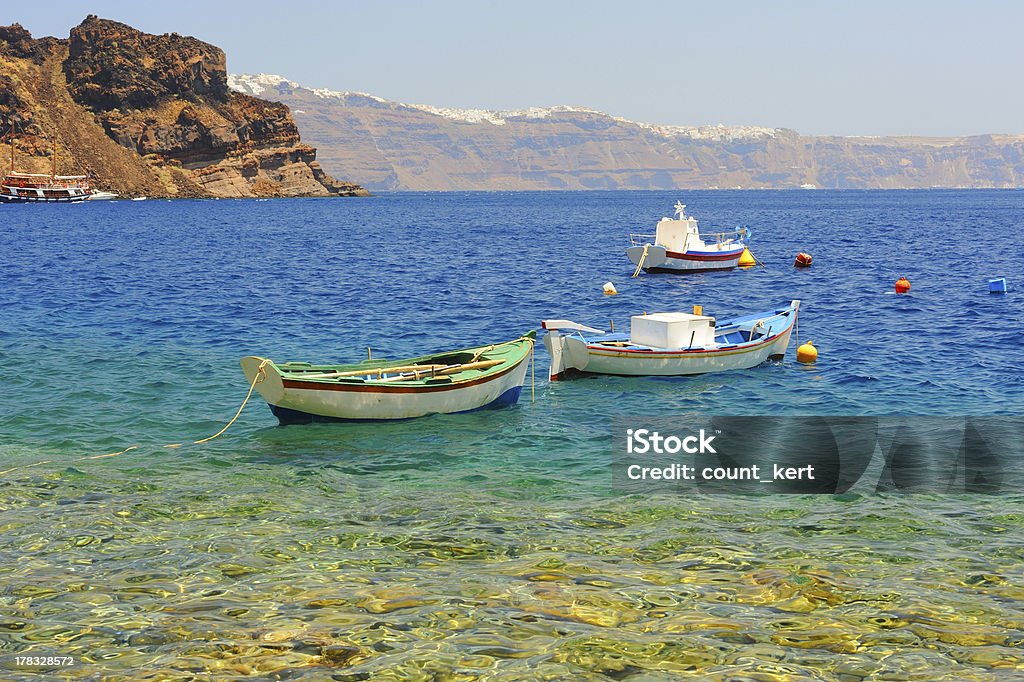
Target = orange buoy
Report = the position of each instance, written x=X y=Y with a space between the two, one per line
x=902 y=285
x=803 y=260
x=807 y=353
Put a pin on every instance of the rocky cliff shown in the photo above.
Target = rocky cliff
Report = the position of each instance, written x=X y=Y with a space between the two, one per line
x=389 y=145
x=149 y=115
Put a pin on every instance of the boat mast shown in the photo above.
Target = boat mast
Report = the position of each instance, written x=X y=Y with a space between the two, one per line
x=53 y=175
x=12 y=145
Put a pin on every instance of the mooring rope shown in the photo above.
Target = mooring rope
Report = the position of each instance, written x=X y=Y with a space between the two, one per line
x=27 y=466
x=80 y=459
x=643 y=257
x=533 y=371
x=260 y=375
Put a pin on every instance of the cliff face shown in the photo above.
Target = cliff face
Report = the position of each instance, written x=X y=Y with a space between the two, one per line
x=389 y=145
x=150 y=115
x=112 y=65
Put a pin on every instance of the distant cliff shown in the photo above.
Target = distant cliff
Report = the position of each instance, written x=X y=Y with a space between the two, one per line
x=149 y=115
x=389 y=145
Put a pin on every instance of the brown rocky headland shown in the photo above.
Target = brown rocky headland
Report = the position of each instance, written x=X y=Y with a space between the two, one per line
x=149 y=115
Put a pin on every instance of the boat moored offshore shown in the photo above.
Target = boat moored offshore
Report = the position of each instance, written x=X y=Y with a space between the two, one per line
x=671 y=344
x=678 y=246
x=23 y=188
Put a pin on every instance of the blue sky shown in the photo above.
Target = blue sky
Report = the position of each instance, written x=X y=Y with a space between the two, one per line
x=831 y=68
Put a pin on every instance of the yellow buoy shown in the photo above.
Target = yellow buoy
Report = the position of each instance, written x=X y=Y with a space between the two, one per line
x=609 y=289
x=747 y=259
x=807 y=353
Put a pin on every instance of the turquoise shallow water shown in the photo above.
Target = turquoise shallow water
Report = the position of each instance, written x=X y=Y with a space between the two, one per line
x=488 y=545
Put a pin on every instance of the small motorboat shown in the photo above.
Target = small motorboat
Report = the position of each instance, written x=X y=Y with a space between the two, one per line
x=671 y=344
x=100 y=195
x=456 y=381
x=678 y=246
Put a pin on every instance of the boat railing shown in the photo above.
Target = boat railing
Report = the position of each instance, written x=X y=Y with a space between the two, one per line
x=641 y=239
x=740 y=233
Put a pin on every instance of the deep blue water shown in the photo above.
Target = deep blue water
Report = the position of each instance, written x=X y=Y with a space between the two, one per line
x=146 y=306
x=123 y=322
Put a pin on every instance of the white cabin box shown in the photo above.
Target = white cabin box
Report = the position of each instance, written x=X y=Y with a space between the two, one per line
x=678 y=235
x=672 y=330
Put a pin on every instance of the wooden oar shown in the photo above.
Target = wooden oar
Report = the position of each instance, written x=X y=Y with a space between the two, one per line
x=367 y=371
x=453 y=369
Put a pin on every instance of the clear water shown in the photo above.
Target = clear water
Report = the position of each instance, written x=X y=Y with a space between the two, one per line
x=487 y=545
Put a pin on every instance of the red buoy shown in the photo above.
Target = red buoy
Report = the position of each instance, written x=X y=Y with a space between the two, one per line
x=902 y=285
x=803 y=260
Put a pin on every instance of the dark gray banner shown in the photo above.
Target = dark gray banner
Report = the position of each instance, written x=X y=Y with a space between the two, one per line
x=817 y=455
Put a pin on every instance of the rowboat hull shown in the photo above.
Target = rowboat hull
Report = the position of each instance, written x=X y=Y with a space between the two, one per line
x=295 y=400
x=610 y=354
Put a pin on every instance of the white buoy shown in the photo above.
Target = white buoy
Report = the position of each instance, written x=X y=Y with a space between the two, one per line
x=609 y=289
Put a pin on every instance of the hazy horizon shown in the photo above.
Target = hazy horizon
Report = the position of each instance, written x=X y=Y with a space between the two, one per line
x=872 y=69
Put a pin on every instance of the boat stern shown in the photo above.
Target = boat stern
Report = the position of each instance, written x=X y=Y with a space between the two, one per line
x=647 y=255
x=568 y=351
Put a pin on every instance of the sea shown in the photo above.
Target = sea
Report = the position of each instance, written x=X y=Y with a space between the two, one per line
x=491 y=545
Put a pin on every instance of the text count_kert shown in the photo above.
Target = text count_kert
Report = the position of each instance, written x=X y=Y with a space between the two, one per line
x=688 y=473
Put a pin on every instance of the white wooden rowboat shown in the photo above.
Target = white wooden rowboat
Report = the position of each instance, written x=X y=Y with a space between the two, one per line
x=457 y=381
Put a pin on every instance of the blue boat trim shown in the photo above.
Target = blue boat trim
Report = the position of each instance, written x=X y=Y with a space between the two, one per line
x=725 y=330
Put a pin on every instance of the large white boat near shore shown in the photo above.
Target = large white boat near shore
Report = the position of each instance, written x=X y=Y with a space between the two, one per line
x=29 y=188
x=25 y=188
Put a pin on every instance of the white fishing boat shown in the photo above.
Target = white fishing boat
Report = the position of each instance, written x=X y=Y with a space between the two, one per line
x=670 y=344
x=678 y=246
x=456 y=381
x=100 y=195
